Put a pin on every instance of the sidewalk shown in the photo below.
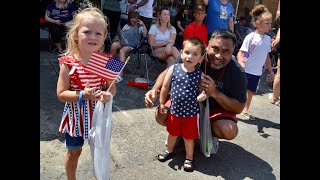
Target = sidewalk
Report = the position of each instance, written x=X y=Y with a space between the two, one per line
x=137 y=139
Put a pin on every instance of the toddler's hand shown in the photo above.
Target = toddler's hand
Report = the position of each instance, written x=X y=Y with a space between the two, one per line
x=162 y=109
x=202 y=96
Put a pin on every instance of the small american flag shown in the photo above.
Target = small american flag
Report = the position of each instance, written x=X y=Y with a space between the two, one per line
x=104 y=66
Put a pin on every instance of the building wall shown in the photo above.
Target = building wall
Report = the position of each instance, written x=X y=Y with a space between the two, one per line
x=272 y=5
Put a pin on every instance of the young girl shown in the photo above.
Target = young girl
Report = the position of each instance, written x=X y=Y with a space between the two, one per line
x=183 y=81
x=129 y=34
x=254 y=53
x=78 y=89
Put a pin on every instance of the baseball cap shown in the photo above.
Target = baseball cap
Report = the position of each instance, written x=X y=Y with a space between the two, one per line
x=198 y=8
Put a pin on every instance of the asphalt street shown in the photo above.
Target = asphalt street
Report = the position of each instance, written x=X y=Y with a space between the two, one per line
x=137 y=139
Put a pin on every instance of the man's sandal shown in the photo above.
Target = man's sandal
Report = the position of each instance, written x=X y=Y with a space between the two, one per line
x=188 y=168
x=166 y=156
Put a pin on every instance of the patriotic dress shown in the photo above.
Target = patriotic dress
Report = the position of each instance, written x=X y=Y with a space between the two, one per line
x=77 y=120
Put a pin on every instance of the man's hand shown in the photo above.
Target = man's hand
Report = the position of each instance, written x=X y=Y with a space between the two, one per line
x=150 y=97
x=208 y=85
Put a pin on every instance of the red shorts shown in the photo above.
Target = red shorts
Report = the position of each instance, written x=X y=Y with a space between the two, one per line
x=220 y=113
x=187 y=127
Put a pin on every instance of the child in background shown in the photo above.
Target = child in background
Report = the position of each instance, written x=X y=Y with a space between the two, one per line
x=129 y=38
x=78 y=89
x=183 y=80
x=254 y=53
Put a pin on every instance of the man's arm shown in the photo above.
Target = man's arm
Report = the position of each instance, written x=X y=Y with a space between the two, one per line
x=152 y=95
x=136 y=6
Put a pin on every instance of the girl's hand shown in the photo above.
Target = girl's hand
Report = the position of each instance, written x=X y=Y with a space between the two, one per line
x=105 y=96
x=140 y=22
x=91 y=93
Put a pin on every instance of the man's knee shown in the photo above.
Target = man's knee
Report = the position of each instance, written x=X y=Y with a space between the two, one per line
x=224 y=129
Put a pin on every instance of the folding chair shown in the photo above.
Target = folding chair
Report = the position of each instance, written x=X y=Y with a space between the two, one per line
x=142 y=51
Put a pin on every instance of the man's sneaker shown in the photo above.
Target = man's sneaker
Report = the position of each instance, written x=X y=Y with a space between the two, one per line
x=178 y=140
x=215 y=143
x=248 y=116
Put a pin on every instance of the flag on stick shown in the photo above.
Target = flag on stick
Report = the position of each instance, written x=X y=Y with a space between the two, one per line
x=104 y=66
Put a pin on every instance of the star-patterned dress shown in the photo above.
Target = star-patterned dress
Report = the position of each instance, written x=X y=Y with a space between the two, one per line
x=77 y=120
x=184 y=92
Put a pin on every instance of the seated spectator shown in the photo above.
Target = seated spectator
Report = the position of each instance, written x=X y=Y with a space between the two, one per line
x=180 y=24
x=197 y=28
x=57 y=14
x=128 y=38
x=161 y=38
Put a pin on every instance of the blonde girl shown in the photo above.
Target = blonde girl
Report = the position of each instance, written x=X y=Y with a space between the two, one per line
x=78 y=89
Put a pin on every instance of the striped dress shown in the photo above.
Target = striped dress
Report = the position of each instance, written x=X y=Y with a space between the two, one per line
x=77 y=120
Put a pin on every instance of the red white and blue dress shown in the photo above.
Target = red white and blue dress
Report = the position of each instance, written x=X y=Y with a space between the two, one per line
x=77 y=120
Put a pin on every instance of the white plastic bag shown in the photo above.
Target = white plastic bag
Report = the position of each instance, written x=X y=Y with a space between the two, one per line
x=205 y=130
x=100 y=135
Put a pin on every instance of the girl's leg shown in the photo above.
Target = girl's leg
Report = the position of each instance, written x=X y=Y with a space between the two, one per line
x=114 y=48
x=123 y=53
x=71 y=162
x=249 y=98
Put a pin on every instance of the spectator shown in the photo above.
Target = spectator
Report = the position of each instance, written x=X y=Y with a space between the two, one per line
x=180 y=25
x=111 y=9
x=145 y=10
x=128 y=38
x=274 y=97
x=225 y=83
x=162 y=36
x=240 y=31
x=58 y=13
x=197 y=28
x=253 y=53
x=248 y=18
x=219 y=15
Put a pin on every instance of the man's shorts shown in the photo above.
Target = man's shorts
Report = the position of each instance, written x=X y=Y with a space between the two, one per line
x=252 y=82
x=220 y=113
x=73 y=143
x=187 y=127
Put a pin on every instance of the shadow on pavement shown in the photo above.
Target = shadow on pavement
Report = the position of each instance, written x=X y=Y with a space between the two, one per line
x=261 y=123
x=231 y=162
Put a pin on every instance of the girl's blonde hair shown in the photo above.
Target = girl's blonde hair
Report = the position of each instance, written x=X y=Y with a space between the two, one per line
x=158 y=19
x=73 y=27
x=258 y=12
